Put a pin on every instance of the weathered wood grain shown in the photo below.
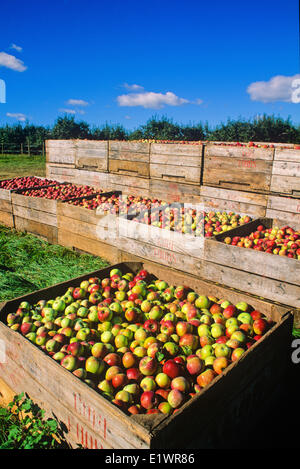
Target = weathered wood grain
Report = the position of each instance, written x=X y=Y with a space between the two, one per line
x=60 y=151
x=131 y=168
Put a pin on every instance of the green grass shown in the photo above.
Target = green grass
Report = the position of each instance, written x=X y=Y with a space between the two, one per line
x=28 y=264
x=22 y=165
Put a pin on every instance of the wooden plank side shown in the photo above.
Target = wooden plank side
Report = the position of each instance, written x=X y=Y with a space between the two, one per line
x=286 y=218
x=119 y=148
x=100 y=418
x=106 y=230
x=237 y=196
x=233 y=206
x=5 y=194
x=127 y=181
x=238 y=152
x=60 y=151
x=35 y=215
x=284 y=204
x=287 y=155
x=175 y=191
x=237 y=179
x=286 y=168
x=88 y=245
x=6 y=206
x=61 y=173
x=168 y=172
x=92 y=154
x=257 y=262
x=36 y=203
x=77 y=213
x=46 y=232
x=238 y=164
x=131 y=168
x=286 y=185
x=176 y=150
x=7 y=219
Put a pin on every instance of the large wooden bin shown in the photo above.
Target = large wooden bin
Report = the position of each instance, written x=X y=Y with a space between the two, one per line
x=6 y=212
x=91 y=155
x=88 y=230
x=181 y=163
x=268 y=275
x=286 y=172
x=216 y=417
x=239 y=168
x=129 y=158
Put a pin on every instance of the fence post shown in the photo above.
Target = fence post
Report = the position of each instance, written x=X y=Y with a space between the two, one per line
x=28 y=145
x=21 y=148
x=2 y=148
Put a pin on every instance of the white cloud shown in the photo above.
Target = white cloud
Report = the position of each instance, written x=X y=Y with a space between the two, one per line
x=10 y=61
x=133 y=87
x=17 y=115
x=278 y=88
x=151 y=100
x=77 y=102
x=17 y=48
x=68 y=111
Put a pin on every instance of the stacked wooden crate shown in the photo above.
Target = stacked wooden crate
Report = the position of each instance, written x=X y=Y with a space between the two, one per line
x=6 y=211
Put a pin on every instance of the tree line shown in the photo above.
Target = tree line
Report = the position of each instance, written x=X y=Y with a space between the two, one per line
x=262 y=129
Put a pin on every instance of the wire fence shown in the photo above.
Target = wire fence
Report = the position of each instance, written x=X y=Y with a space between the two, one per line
x=22 y=148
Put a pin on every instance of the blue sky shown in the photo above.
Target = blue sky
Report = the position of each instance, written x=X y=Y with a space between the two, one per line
x=126 y=61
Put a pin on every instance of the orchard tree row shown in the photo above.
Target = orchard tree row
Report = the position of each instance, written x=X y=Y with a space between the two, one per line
x=262 y=129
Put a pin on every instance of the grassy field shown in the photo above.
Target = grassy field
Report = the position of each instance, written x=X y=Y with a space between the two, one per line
x=22 y=165
x=28 y=263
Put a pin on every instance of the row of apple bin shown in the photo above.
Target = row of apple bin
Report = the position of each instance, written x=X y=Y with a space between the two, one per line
x=127 y=355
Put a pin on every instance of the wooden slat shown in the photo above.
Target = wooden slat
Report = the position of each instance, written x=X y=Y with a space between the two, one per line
x=175 y=191
x=131 y=168
x=35 y=215
x=130 y=151
x=42 y=230
x=239 y=152
x=92 y=154
x=121 y=180
x=6 y=219
x=36 y=203
x=286 y=185
x=169 y=172
x=85 y=244
x=241 y=202
x=258 y=262
x=61 y=173
x=105 y=230
x=287 y=155
x=60 y=151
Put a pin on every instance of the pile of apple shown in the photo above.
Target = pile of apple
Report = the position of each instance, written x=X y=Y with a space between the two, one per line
x=174 y=217
x=284 y=241
x=62 y=191
x=25 y=182
x=145 y=345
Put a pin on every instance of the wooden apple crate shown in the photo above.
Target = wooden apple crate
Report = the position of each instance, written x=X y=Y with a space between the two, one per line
x=87 y=230
x=240 y=168
x=61 y=172
x=61 y=152
x=286 y=172
x=174 y=191
x=35 y=215
x=91 y=155
x=217 y=417
x=271 y=276
x=286 y=209
x=241 y=202
x=129 y=158
x=6 y=213
x=6 y=207
x=176 y=162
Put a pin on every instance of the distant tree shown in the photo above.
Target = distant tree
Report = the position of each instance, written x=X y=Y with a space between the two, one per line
x=66 y=127
x=109 y=132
